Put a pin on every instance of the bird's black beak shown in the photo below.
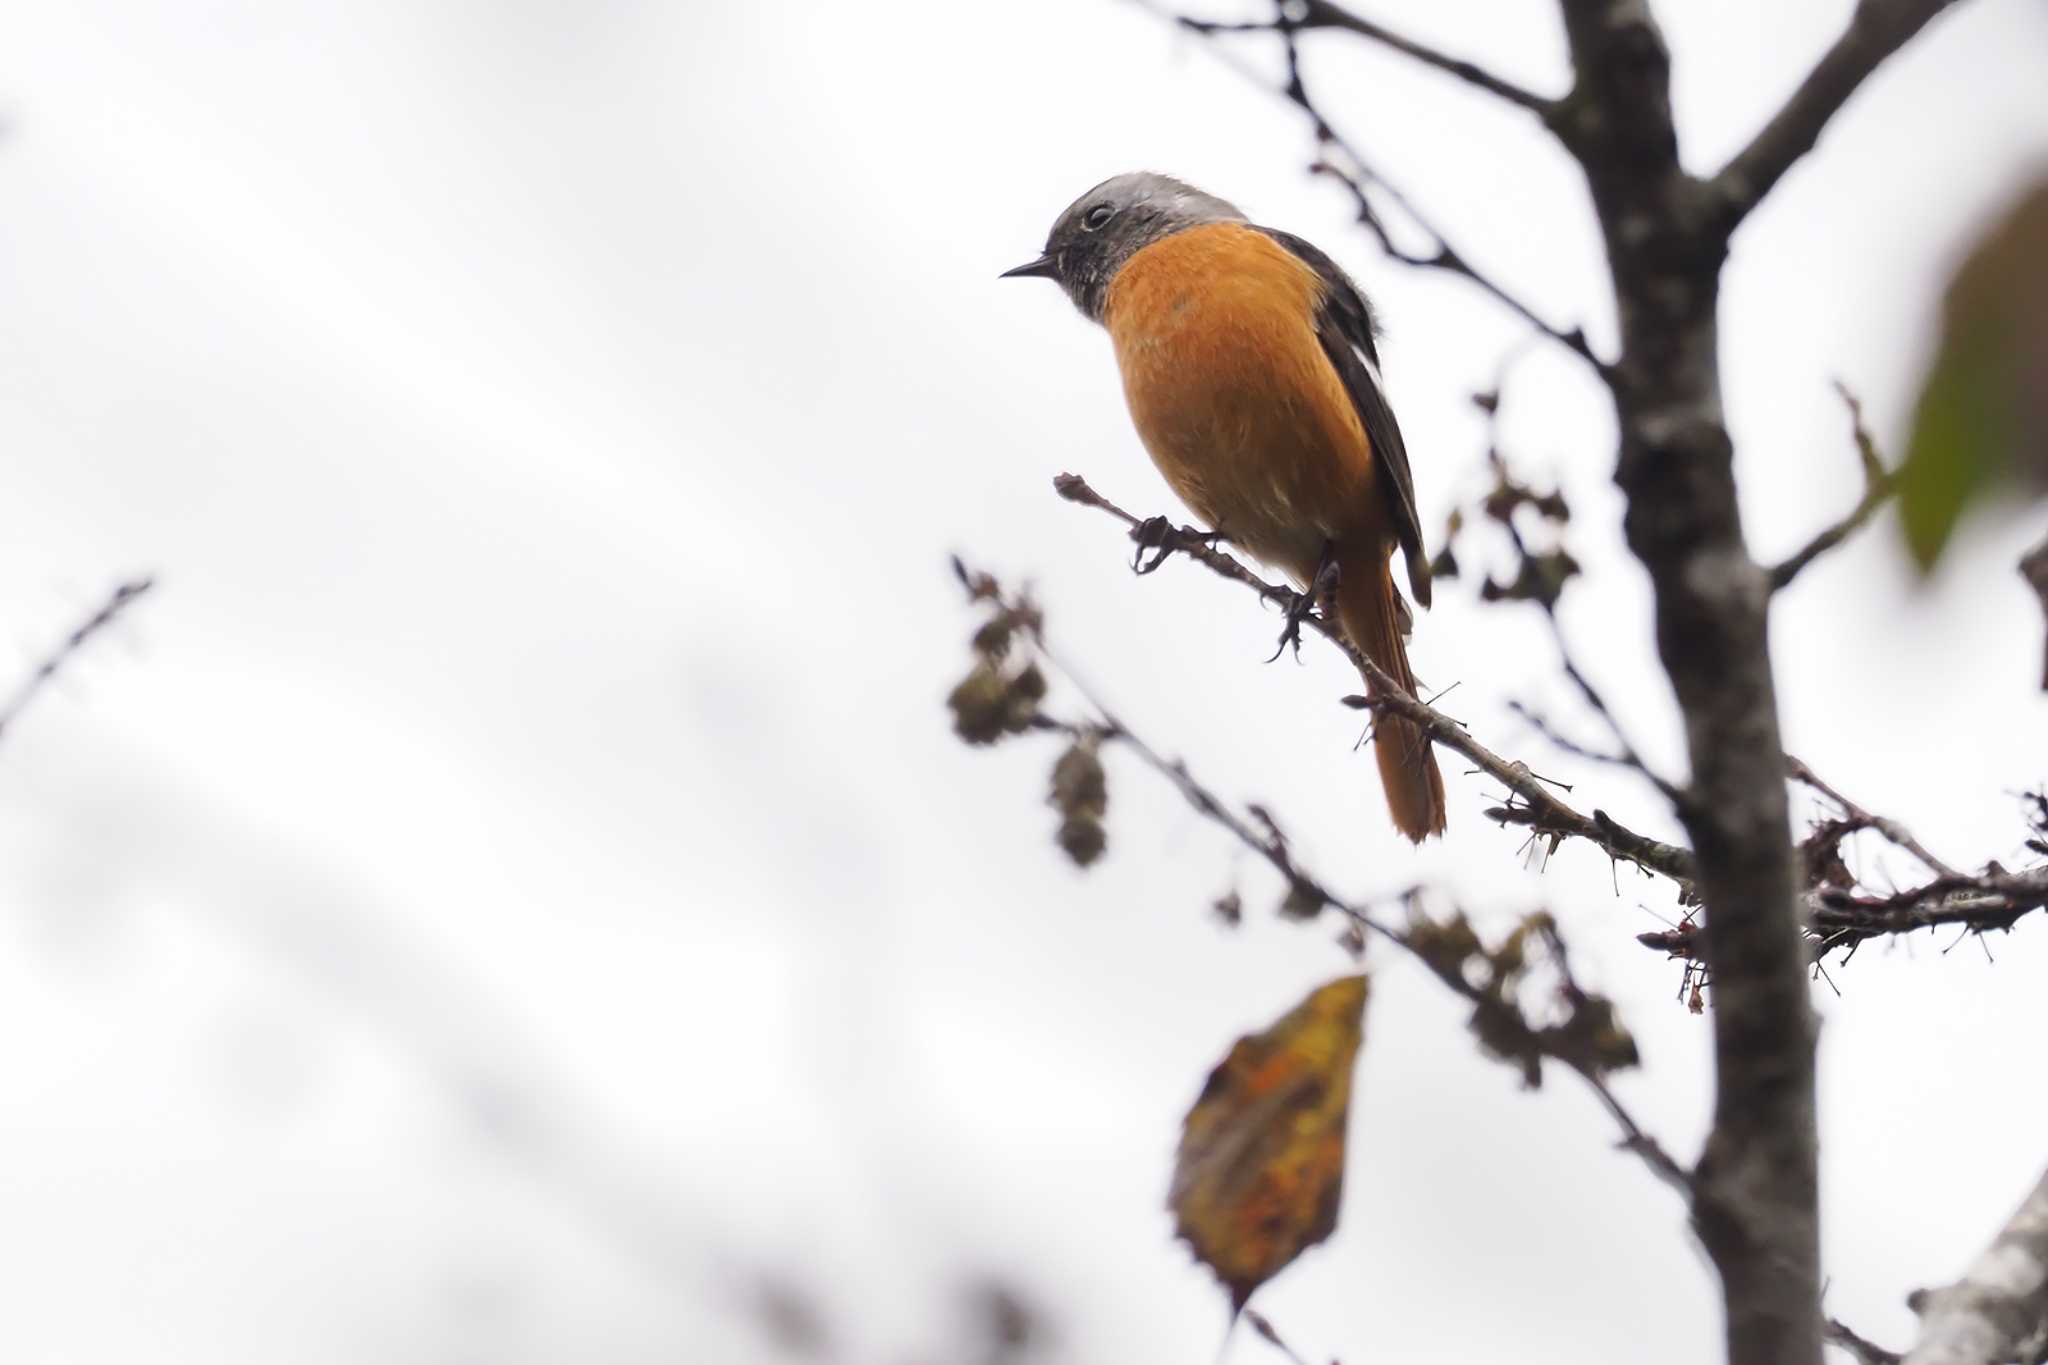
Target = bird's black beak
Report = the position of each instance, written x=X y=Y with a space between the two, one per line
x=1045 y=268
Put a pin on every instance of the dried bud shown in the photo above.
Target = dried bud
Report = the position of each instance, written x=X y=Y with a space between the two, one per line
x=1026 y=690
x=1079 y=784
x=1302 y=901
x=992 y=641
x=1083 y=838
x=1080 y=793
x=979 y=705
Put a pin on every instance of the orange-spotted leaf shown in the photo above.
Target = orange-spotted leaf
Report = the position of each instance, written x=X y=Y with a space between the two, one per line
x=1261 y=1164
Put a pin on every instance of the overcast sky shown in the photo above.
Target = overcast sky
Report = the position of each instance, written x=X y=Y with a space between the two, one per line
x=511 y=886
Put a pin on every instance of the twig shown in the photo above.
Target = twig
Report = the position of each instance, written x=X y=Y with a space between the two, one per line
x=1879 y=484
x=1542 y=810
x=1264 y=1327
x=1359 y=176
x=1838 y=921
x=1314 y=14
x=1629 y=756
x=38 y=678
x=1866 y=1351
x=1889 y=828
x=1877 y=29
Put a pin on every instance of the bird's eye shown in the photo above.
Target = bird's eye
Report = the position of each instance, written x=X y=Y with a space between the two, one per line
x=1097 y=216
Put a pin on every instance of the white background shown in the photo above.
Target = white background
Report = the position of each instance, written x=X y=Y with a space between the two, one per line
x=512 y=886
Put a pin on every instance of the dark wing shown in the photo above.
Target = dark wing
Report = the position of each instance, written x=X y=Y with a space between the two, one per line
x=1345 y=326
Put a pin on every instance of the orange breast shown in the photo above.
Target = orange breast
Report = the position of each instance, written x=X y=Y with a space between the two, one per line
x=1214 y=329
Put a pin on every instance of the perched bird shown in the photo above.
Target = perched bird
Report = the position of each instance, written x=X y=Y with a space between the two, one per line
x=1251 y=373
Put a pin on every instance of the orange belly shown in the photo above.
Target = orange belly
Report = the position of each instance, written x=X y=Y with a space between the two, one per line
x=1233 y=397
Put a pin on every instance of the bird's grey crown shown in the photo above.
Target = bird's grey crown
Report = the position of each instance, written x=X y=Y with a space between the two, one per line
x=1145 y=206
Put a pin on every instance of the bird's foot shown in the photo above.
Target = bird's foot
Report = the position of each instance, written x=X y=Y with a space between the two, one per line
x=1160 y=538
x=1301 y=606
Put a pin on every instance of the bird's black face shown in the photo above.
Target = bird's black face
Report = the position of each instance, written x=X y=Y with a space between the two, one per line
x=1112 y=223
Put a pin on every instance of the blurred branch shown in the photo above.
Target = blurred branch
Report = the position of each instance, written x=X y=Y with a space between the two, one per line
x=1866 y=1351
x=1626 y=755
x=1876 y=30
x=39 y=678
x=1264 y=1327
x=1540 y=811
x=1315 y=14
x=1879 y=485
x=1998 y=1311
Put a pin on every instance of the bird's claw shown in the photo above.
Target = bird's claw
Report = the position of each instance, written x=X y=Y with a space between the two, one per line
x=1161 y=537
x=1301 y=607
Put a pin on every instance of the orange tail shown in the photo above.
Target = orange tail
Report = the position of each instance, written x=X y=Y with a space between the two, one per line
x=1372 y=616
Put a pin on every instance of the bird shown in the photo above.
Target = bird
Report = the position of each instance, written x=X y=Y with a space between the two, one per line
x=1251 y=369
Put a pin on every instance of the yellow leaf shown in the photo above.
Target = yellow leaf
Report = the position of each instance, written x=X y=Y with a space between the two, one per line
x=1261 y=1164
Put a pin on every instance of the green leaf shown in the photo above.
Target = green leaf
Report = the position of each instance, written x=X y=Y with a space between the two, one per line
x=1961 y=446
x=1980 y=428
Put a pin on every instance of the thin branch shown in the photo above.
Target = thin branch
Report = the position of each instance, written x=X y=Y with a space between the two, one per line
x=1866 y=1351
x=1879 y=484
x=1541 y=811
x=1876 y=30
x=1261 y=1324
x=1314 y=14
x=1998 y=1311
x=1629 y=756
x=1981 y=904
x=1838 y=921
x=39 y=678
x=1360 y=178
x=1889 y=828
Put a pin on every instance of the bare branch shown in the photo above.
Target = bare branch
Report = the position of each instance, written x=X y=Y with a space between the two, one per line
x=1838 y=917
x=1998 y=1311
x=1316 y=14
x=1876 y=30
x=1443 y=256
x=1358 y=175
x=1982 y=904
x=1541 y=810
x=40 y=676
x=1879 y=484
x=1628 y=756
x=1991 y=902
x=1889 y=828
